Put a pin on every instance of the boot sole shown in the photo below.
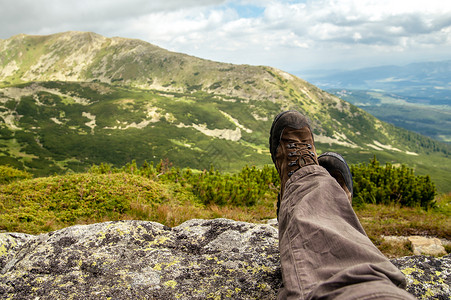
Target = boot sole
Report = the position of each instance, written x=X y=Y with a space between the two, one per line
x=348 y=180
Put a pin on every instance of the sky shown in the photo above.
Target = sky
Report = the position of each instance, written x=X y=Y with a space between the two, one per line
x=295 y=36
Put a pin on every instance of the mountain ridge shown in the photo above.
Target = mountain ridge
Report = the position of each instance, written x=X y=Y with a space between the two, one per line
x=421 y=82
x=72 y=99
x=129 y=67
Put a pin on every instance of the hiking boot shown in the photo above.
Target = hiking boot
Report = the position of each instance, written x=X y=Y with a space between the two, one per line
x=337 y=167
x=291 y=145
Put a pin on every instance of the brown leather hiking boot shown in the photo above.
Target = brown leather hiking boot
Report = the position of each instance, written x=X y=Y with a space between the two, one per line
x=291 y=145
x=337 y=167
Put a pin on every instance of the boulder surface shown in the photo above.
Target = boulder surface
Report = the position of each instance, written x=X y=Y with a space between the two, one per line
x=198 y=259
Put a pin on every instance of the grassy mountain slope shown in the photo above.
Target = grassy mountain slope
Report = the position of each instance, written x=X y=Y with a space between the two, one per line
x=73 y=99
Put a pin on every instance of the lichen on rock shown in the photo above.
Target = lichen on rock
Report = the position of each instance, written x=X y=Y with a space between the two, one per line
x=198 y=259
x=136 y=259
x=427 y=277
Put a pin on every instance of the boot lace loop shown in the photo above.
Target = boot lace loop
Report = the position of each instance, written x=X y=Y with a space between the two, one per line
x=303 y=154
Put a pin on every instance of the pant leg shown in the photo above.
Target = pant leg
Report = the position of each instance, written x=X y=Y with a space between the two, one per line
x=324 y=251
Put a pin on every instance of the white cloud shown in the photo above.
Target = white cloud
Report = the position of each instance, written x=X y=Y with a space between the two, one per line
x=291 y=35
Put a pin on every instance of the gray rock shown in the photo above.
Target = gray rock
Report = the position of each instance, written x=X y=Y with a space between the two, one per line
x=136 y=259
x=425 y=245
x=145 y=260
x=427 y=277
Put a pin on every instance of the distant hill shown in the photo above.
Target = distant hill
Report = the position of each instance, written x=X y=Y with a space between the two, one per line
x=426 y=82
x=430 y=120
x=72 y=99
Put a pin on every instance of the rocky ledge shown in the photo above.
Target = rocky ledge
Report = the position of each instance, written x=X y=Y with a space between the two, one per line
x=198 y=259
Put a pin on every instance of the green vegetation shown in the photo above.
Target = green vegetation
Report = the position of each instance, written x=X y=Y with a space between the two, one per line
x=393 y=220
x=9 y=174
x=391 y=185
x=158 y=193
x=118 y=106
x=170 y=196
x=245 y=188
x=68 y=126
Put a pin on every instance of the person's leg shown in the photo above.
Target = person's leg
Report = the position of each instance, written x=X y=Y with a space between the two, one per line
x=325 y=253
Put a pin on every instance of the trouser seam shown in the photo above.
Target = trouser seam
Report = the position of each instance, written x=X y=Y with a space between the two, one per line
x=291 y=242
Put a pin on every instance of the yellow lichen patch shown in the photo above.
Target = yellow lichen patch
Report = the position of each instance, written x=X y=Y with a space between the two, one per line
x=215 y=296
x=428 y=294
x=111 y=224
x=161 y=266
x=408 y=271
x=170 y=283
x=3 y=250
x=229 y=293
x=172 y=263
x=39 y=280
x=157 y=267
x=158 y=241
x=121 y=232
x=101 y=235
x=198 y=291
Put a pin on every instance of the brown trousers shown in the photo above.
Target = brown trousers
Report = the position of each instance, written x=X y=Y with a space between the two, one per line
x=324 y=251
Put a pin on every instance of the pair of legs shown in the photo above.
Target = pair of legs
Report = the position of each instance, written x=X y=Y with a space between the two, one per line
x=324 y=251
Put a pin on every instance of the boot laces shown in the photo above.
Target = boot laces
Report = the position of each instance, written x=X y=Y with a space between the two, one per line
x=302 y=154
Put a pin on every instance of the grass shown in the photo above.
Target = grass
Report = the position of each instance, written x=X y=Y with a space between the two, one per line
x=389 y=220
x=51 y=203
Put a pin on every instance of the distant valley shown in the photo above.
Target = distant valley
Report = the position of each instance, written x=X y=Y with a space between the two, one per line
x=74 y=99
x=424 y=83
x=416 y=97
x=402 y=111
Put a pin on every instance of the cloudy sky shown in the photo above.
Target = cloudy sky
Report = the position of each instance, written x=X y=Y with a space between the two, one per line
x=295 y=36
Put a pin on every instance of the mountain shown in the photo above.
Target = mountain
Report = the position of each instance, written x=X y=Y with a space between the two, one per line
x=74 y=99
x=425 y=82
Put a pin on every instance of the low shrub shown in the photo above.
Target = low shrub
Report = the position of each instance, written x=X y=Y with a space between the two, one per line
x=54 y=202
x=211 y=187
x=373 y=183
x=9 y=174
x=388 y=184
